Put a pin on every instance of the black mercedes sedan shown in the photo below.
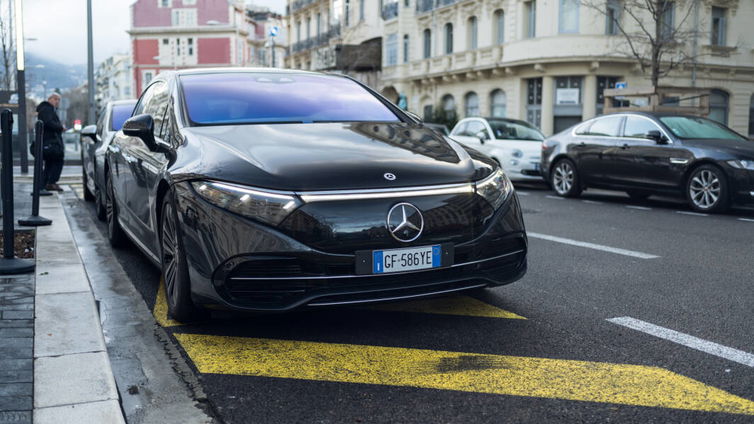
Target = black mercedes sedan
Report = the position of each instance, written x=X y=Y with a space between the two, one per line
x=269 y=190
x=706 y=162
x=95 y=140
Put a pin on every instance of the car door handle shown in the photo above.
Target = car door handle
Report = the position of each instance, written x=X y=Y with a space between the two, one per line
x=625 y=146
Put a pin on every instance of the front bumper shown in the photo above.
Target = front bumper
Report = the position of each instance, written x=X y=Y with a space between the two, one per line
x=236 y=263
x=742 y=185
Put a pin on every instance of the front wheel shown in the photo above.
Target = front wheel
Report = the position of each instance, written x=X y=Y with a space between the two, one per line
x=115 y=234
x=88 y=195
x=564 y=179
x=174 y=268
x=707 y=189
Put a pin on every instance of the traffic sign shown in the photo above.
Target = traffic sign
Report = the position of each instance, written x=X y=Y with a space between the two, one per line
x=621 y=85
x=274 y=31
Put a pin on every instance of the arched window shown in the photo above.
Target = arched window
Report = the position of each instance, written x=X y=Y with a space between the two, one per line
x=427 y=43
x=449 y=106
x=471 y=35
x=498 y=103
x=499 y=27
x=472 y=104
x=405 y=48
x=448 y=38
x=718 y=106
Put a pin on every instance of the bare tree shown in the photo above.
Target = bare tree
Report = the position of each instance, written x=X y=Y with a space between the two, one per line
x=6 y=49
x=656 y=32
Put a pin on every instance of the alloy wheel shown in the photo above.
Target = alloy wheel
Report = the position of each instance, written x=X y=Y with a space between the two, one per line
x=705 y=189
x=169 y=253
x=563 y=178
x=109 y=208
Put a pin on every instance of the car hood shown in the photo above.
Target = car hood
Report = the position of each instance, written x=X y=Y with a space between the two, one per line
x=736 y=149
x=326 y=156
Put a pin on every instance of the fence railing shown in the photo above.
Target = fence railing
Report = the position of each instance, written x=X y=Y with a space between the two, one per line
x=317 y=40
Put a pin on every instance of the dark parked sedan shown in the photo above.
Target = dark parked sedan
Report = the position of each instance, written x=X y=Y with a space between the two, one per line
x=269 y=190
x=642 y=153
x=94 y=142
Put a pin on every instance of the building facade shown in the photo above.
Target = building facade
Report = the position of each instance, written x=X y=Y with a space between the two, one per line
x=548 y=61
x=266 y=50
x=177 y=34
x=114 y=80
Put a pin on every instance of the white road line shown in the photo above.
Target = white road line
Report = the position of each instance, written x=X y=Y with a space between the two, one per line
x=554 y=197
x=641 y=208
x=522 y=193
x=692 y=213
x=746 y=219
x=615 y=250
x=592 y=202
x=705 y=346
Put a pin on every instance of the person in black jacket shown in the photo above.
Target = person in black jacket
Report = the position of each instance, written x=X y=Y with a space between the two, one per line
x=53 y=149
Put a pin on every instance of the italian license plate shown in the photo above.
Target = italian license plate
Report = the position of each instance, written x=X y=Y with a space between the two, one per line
x=409 y=259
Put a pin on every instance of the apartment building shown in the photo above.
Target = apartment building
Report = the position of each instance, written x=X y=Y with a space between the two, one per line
x=549 y=61
x=262 y=43
x=338 y=36
x=177 y=34
x=114 y=80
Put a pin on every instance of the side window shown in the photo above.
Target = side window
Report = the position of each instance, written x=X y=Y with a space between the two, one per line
x=101 y=122
x=156 y=106
x=145 y=97
x=475 y=127
x=637 y=127
x=608 y=126
x=583 y=129
x=460 y=129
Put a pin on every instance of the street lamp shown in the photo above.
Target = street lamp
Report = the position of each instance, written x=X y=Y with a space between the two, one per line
x=21 y=84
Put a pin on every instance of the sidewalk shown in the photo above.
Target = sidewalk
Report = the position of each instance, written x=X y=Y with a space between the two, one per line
x=50 y=329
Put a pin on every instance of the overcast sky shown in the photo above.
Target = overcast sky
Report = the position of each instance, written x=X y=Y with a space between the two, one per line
x=60 y=27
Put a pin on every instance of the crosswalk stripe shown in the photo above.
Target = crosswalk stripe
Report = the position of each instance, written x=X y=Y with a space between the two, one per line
x=469 y=372
x=456 y=305
x=160 y=310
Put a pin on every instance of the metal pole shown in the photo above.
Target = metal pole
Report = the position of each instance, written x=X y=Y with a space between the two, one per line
x=35 y=220
x=273 y=51
x=23 y=133
x=90 y=63
x=9 y=264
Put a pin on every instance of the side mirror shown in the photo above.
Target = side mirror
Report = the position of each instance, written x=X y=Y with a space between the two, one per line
x=142 y=126
x=90 y=131
x=657 y=137
x=482 y=136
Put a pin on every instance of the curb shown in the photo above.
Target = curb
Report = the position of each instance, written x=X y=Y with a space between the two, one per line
x=73 y=378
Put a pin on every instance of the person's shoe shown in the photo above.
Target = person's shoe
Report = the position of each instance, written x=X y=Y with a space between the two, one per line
x=50 y=187
x=57 y=187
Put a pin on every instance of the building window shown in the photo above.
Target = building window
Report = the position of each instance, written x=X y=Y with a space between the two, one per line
x=427 y=43
x=718 y=106
x=165 y=41
x=347 y=12
x=448 y=38
x=428 y=113
x=449 y=106
x=499 y=27
x=298 y=31
x=189 y=2
x=407 y=3
x=498 y=103
x=472 y=104
x=612 y=17
x=472 y=33
x=164 y=3
x=568 y=19
x=405 y=48
x=391 y=50
x=319 y=25
x=308 y=28
x=534 y=101
x=190 y=43
x=148 y=75
x=361 y=10
x=667 y=20
x=184 y=17
x=751 y=116
x=719 y=27
x=531 y=18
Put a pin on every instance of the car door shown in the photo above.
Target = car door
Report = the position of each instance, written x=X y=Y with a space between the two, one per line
x=642 y=162
x=590 y=146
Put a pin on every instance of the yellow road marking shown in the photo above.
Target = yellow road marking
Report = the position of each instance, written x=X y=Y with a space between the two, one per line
x=456 y=305
x=160 y=311
x=469 y=372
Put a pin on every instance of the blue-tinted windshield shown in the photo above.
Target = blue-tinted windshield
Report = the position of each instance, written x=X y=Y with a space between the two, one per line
x=120 y=114
x=247 y=98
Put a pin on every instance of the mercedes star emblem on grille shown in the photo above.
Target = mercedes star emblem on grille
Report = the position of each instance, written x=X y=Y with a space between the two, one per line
x=389 y=176
x=405 y=222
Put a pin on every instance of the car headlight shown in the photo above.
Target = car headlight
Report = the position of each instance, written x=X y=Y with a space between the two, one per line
x=742 y=164
x=271 y=207
x=495 y=188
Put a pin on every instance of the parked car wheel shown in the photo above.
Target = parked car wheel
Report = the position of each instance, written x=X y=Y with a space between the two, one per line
x=174 y=267
x=115 y=234
x=707 y=189
x=88 y=196
x=564 y=179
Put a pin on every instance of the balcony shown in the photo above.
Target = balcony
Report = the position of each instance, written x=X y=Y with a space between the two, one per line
x=317 y=40
x=390 y=11
x=424 y=6
x=300 y=4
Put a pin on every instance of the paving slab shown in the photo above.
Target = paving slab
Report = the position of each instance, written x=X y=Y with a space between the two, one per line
x=72 y=379
x=68 y=278
x=67 y=323
x=94 y=413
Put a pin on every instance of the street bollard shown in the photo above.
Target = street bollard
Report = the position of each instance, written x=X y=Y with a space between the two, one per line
x=9 y=264
x=35 y=220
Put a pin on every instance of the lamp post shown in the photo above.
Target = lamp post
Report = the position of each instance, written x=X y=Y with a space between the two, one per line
x=90 y=63
x=21 y=85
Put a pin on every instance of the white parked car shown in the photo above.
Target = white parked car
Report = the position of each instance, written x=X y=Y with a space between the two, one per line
x=516 y=145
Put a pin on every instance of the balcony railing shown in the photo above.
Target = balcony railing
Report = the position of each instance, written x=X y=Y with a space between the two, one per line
x=423 y=6
x=390 y=11
x=317 y=40
x=300 y=4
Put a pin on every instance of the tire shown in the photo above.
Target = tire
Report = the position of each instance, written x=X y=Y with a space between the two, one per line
x=115 y=234
x=707 y=189
x=564 y=179
x=638 y=195
x=174 y=267
x=88 y=196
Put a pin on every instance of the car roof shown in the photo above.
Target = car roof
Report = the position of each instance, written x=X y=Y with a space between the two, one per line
x=239 y=70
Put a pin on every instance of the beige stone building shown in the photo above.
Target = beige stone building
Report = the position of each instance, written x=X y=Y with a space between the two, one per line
x=548 y=61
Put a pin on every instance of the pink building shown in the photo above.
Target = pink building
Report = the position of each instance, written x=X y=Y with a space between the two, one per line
x=176 y=34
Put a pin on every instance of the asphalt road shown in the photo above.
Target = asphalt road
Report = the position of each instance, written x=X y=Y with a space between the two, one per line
x=676 y=286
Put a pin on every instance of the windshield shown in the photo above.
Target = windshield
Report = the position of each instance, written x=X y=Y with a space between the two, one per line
x=120 y=114
x=248 y=98
x=693 y=127
x=509 y=130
